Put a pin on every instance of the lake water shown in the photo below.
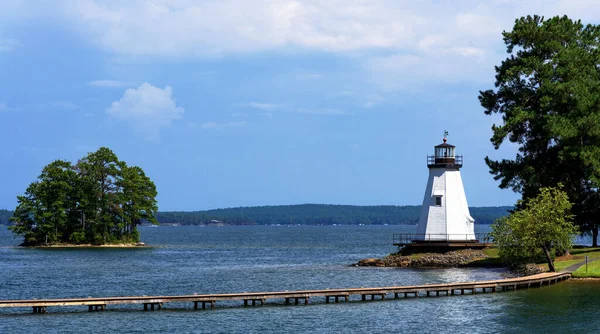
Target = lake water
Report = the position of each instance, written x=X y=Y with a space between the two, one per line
x=189 y=259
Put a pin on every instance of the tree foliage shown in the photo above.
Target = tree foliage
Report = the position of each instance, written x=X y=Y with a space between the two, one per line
x=98 y=200
x=5 y=216
x=548 y=93
x=542 y=227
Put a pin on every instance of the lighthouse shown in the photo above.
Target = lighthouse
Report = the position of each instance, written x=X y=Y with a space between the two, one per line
x=445 y=214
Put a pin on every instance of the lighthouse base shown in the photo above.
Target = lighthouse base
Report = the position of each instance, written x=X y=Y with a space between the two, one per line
x=440 y=247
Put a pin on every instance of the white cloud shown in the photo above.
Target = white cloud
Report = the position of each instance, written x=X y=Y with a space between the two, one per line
x=410 y=71
x=149 y=108
x=477 y=24
x=322 y=111
x=417 y=41
x=262 y=106
x=268 y=109
x=373 y=100
x=239 y=114
x=183 y=27
x=215 y=125
x=309 y=76
x=111 y=83
x=192 y=28
x=8 y=45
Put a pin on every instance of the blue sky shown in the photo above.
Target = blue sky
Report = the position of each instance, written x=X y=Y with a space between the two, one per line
x=242 y=103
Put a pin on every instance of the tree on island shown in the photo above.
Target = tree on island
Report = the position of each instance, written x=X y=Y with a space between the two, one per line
x=99 y=200
x=548 y=93
x=542 y=226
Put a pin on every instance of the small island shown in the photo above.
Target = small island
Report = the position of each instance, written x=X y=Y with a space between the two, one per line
x=97 y=202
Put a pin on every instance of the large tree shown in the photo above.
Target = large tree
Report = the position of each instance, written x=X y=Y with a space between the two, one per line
x=541 y=226
x=100 y=171
x=99 y=200
x=138 y=203
x=43 y=212
x=548 y=93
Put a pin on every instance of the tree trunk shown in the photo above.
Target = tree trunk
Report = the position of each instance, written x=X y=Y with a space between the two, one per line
x=549 y=259
x=595 y=236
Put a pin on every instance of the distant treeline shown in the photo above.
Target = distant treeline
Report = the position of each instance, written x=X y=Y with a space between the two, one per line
x=317 y=214
x=307 y=214
x=5 y=216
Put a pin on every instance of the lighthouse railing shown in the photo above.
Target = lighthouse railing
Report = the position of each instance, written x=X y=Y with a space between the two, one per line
x=401 y=239
x=455 y=161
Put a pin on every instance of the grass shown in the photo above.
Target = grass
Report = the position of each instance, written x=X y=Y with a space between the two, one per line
x=590 y=251
x=593 y=270
x=491 y=251
x=560 y=265
x=577 y=255
x=492 y=261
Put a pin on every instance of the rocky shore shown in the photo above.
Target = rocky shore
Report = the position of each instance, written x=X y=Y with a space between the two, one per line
x=458 y=258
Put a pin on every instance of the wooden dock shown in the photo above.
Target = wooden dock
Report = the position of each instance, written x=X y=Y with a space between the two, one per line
x=298 y=297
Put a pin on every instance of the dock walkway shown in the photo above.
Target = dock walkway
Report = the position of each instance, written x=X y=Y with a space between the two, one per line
x=298 y=297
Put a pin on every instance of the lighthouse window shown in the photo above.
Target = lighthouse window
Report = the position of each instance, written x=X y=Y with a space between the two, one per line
x=438 y=200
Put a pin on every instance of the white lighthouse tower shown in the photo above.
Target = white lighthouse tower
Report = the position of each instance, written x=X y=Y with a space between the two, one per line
x=445 y=214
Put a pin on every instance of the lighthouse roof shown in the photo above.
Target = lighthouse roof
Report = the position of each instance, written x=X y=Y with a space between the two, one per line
x=444 y=144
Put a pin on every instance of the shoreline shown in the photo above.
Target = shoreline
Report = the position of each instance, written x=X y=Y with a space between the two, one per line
x=135 y=245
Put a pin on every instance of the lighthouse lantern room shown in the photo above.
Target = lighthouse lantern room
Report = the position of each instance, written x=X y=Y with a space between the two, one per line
x=445 y=214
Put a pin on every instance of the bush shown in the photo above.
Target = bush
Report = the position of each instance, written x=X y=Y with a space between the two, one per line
x=78 y=238
x=537 y=231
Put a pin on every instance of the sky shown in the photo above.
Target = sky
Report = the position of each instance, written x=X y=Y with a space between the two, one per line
x=228 y=103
